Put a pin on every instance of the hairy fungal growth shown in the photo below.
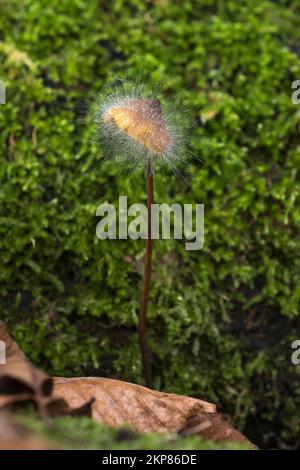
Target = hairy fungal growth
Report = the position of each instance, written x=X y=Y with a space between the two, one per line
x=137 y=129
x=135 y=125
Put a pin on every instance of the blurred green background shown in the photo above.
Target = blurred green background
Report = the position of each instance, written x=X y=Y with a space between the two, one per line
x=221 y=320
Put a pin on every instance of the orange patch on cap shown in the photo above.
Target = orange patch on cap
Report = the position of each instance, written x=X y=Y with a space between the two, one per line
x=143 y=122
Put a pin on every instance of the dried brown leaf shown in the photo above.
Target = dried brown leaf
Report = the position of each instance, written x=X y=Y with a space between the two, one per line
x=109 y=401
x=22 y=383
x=18 y=375
x=146 y=410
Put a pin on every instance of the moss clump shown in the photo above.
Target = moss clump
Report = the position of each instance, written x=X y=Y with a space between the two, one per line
x=222 y=320
x=85 y=434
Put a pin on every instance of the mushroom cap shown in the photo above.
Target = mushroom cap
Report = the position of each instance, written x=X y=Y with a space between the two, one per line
x=142 y=120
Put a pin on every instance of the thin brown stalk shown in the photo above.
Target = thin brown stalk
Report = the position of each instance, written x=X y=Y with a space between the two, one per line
x=147 y=371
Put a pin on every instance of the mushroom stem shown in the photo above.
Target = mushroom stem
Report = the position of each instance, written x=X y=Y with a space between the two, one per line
x=146 y=284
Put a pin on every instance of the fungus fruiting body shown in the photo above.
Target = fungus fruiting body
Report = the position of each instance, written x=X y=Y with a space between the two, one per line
x=134 y=124
x=136 y=129
x=142 y=121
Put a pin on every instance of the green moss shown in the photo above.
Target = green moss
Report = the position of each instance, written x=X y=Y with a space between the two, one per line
x=222 y=320
x=83 y=433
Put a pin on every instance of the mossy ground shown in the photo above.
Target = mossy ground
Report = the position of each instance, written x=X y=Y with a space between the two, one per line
x=221 y=320
x=83 y=433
